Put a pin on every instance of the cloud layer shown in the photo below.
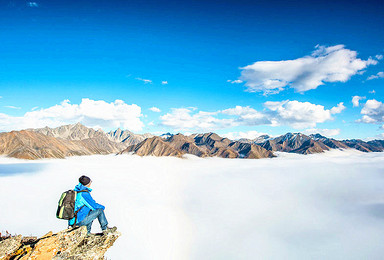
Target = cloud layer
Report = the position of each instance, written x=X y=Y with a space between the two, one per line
x=93 y=113
x=290 y=207
x=325 y=64
x=292 y=113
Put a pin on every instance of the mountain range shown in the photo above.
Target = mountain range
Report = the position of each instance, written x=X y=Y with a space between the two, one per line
x=202 y=145
x=77 y=139
x=314 y=143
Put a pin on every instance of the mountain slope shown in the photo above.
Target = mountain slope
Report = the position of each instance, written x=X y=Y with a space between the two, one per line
x=153 y=146
x=31 y=145
x=316 y=143
x=70 y=132
x=127 y=137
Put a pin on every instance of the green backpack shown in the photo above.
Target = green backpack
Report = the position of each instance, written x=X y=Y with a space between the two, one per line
x=66 y=208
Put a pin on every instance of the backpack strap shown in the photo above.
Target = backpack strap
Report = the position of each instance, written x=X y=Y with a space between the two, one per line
x=77 y=211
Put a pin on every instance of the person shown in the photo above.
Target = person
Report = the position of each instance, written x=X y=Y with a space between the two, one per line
x=86 y=207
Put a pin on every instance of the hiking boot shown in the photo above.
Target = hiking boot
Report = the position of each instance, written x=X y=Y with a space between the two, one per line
x=109 y=230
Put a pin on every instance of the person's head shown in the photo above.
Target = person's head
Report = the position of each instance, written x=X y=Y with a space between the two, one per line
x=86 y=181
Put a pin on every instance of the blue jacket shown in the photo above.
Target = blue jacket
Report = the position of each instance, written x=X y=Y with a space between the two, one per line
x=84 y=198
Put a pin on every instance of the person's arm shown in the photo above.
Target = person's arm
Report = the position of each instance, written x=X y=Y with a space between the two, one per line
x=90 y=202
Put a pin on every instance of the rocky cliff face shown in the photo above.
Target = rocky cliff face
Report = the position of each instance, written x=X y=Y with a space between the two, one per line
x=67 y=244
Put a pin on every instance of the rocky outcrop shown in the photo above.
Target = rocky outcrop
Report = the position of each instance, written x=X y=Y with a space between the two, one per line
x=202 y=145
x=67 y=244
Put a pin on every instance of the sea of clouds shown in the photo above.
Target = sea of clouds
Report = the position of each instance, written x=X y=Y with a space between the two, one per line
x=323 y=206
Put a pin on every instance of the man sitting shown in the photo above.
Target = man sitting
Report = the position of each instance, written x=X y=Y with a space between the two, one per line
x=86 y=207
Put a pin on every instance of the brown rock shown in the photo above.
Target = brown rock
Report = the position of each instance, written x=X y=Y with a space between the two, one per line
x=67 y=244
x=9 y=245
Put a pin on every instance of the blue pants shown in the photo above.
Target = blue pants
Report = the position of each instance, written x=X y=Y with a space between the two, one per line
x=92 y=215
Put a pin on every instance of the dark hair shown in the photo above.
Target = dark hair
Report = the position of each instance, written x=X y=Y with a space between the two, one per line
x=84 y=180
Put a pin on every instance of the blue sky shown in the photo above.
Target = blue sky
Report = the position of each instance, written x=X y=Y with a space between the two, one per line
x=93 y=53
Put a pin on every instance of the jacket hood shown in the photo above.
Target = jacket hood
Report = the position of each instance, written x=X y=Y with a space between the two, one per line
x=80 y=187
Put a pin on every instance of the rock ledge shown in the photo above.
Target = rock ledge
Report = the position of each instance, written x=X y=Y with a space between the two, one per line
x=71 y=243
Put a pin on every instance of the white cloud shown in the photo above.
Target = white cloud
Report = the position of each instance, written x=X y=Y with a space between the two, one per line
x=325 y=64
x=236 y=81
x=373 y=112
x=239 y=135
x=300 y=114
x=146 y=81
x=92 y=113
x=338 y=109
x=12 y=107
x=326 y=132
x=372 y=91
x=183 y=119
x=292 y=113
x=379 y=57
x=155 y=109
x=164 y=82
x=356 y=100
x=379 y=75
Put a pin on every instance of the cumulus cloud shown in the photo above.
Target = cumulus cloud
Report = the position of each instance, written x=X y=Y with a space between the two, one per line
x=292 y=113
x=183 y=119
x=356 y=100
x=155 y=109
x=338 y=109
x=239 y=135
x=326 y=132
x=300 y=114
x=373 y=112
x=92 y=113
x=325 y=64
x=379 y=75
x=164 y=82
x=146 y=81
